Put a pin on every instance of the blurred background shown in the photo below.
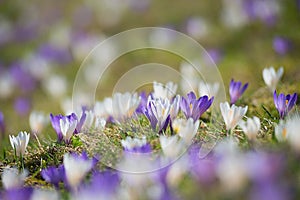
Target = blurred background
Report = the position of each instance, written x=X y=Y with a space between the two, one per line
x=43 y=43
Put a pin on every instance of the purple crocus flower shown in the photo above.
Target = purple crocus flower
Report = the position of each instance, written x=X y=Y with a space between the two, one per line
x=22 y=106
x=23 y=193
x=281 y=45
x=22 y=78
x=143 y=103
x=193 y=107
x=236 y=90
x=55 y=121
x=284 y=104
x=54 y=175
x=2 y=123
x=54 y=54
x=158 y=113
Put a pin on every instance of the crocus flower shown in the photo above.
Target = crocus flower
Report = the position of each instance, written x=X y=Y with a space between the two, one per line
x=11 y=178
x=23 y=193
x=232 y=115
x=281 y=45
x=236 y=90
x=251 y=127
x=186 y=129
x=124 y=105
x=208 y=89
x=171 y=146
x=54 y=175
x=136 y=145
x=67 y=128
x=19 y=143
x=281 y=131
x=76 y=168
x=22 y=106
x=44 y=194
x=193 y=107
x=104 y=108
x=164 y=91
x=37 y=121
x=68 y=123
x=158 y=113
x=271 y=77
x=2 y=123
x=284 y=104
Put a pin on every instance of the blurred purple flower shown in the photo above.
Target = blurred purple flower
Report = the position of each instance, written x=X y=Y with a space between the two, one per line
x=284 y=104
x=54 y=54
x=102 y=183
x=55 y=121
x=236 y=90
x=2 y=123
x=139 y=5
x=22 y=78
x=215 y=55
x=54 y=175
x=204 y=170
x=281 y=45
x=23 y=193
x=25 y=31
x=270 y=190
x=193 y=107
x=143 y=103
x=22 y=106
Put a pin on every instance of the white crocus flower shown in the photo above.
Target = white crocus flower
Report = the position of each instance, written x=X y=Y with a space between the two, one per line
x=100 y=123
x=174 y=107
x=104 y=108
x=281 y=131
x=89 y=120
x=39 y=194
x=232 y=115
x=76 y=169
x=251 y=127
x=20 y=142
x=11 y=178
x=161 y=109
x=186 y=129
x=124 y=105
x=171 y=146
x=56 y=86
x=67 y=128
x=208 y=89
x=37 y=121
x=130 y=143
x=164 y=91
x=292 y=132
x=271 y=77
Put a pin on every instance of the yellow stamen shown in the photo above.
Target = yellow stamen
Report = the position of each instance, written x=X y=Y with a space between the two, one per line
x=284 y=132
x=286 y=102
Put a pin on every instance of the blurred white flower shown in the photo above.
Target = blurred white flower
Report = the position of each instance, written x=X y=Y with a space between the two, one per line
x=292 y=132
x=232 y=115
x=11 y=178
x=104 y=108
x=190 y=78
x=100 y=123
x=232 y=172
x=271 y=77
x=6 y=85
x=20 y=142
x=55 y=86
x=130 y=143
x=197 y=27
x=39 y=194
x=251 y=127
x=67 y=128
x=37 y=121
x=171 y=146
x=186 y=129
x=281 y=131
x=124 y=105
x=37 y=66
x=233 y=14
x=76 y=169
x=208 y=89
x=164 y=91
x=89 y=120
